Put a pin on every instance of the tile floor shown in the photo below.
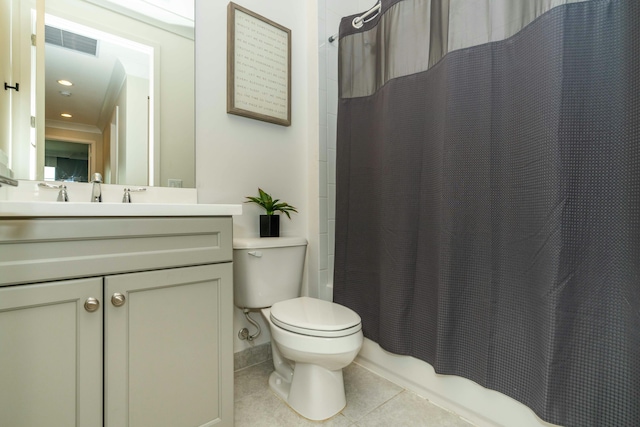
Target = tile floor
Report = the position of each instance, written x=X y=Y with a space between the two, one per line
x=371 y=401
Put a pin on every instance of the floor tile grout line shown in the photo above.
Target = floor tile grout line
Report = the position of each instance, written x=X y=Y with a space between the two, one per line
x=363 y=416
x=425 y=399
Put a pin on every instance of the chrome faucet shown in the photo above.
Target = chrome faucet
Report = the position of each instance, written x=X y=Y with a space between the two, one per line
x=96 y=191
x=126 y=198
x=62 y=195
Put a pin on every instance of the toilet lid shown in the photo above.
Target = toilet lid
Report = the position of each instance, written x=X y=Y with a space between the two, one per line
x=315 y=317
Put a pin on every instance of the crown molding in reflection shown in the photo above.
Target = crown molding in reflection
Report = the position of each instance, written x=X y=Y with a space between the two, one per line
x=61 y=124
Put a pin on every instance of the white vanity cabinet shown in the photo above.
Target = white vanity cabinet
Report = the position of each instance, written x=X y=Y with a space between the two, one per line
x=162 y=346
x=51 y=355
x=116 y=322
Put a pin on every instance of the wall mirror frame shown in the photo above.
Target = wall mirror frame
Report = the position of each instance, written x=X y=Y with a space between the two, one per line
x=162 y=152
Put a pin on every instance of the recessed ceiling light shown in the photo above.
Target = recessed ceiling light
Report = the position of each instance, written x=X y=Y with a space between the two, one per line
x=67 y=115
x=65 y=82
x=65 y=93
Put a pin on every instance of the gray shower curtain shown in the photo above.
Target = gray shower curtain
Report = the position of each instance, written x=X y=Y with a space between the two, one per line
x=488 y=196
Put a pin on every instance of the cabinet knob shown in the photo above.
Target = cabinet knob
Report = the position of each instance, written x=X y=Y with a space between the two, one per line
x=91 y=305
x=117 y=299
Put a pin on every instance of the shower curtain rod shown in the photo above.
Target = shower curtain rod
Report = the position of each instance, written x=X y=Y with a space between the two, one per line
x=359 y=21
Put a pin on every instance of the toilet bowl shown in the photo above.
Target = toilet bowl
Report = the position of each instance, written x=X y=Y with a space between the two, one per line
x=309 y=361
x=312 y=340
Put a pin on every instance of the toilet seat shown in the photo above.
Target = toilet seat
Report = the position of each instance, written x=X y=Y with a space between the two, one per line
x=315 y=317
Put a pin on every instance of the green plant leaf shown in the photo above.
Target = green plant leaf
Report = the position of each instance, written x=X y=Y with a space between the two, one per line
x=270 y=205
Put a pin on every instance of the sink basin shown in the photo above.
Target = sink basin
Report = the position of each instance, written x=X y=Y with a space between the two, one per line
x=30 y=199
x=82 y=209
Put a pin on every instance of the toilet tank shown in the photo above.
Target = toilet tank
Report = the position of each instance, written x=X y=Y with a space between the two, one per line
x=267 y=270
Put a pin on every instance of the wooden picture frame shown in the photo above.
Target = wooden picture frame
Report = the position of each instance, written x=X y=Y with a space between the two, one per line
x=258 y=67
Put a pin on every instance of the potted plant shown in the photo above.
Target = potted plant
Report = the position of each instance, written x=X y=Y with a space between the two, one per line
x=270 y=223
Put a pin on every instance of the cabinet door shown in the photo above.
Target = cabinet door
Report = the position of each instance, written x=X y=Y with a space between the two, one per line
x=168 y=348
x=51 y=354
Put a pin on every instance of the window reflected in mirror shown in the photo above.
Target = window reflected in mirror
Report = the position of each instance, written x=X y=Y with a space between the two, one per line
x=66 y=161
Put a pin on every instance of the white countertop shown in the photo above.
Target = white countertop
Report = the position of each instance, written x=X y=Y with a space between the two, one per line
x=83 y=209
x=30 y=200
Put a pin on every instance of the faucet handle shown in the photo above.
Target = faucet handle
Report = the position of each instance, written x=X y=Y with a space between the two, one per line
x=96 y=177
x=8 y=181
x=62 y=195
x=46 y=185
x=126 y=198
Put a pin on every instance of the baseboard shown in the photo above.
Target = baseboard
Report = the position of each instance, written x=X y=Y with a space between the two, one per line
x=252 y=356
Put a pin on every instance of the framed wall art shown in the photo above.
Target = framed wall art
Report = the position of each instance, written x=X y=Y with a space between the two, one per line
x=258 y=67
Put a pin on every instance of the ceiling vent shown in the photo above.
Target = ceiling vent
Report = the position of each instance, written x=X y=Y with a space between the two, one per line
x=68 y=40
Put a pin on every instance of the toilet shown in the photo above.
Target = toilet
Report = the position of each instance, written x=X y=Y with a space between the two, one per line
x=311 y=339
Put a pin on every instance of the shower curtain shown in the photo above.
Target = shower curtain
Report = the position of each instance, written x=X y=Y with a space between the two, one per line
x=488 y=196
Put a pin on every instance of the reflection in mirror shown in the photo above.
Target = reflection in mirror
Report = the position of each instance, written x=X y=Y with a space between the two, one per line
x=66 y=161
x=131 y=100
x=97 y=83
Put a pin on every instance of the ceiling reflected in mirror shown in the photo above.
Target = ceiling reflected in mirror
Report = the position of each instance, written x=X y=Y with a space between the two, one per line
x=78 y=80
x=172 y=15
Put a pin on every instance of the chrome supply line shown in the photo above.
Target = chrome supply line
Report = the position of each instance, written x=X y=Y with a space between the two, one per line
x=243 y=334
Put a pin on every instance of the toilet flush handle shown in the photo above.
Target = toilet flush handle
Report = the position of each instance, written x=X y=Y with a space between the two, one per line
x=256 y=254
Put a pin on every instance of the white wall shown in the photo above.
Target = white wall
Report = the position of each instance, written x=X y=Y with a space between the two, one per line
x=132 y=107
x=120 y=108
x=137 y=137
x=236 y=155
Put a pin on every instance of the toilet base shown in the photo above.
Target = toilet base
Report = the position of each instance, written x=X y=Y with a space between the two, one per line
x=314 y=392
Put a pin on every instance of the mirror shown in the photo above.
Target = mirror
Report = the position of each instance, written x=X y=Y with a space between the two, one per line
x=131 y=66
